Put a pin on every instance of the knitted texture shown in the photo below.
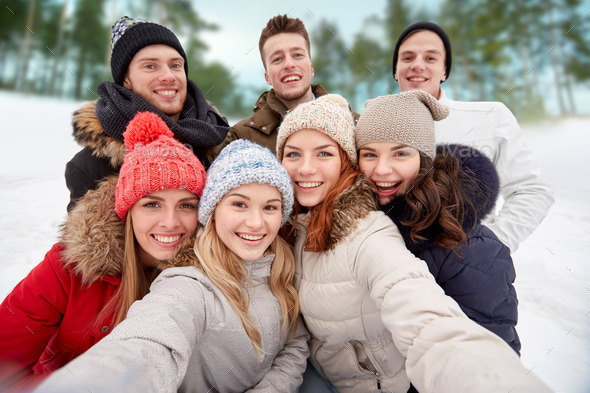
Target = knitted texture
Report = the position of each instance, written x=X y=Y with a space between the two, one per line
x=430 y=27
x=329 y=114
x=130 y=35
x=154 y=161
x=244 y=162
x=406 y=118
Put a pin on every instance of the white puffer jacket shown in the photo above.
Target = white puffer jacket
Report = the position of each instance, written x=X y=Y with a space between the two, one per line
x=491 y=128
x=374 y=312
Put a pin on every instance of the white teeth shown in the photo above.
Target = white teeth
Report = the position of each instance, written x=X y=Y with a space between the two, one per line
x=291 y=78
x=417 y=79
x=250 y=237
x=167 y=239
x=309 y=184
x=166 y=92
x=386 y=184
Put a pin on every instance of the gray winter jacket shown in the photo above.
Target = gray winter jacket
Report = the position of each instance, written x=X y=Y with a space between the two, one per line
x=185 y=335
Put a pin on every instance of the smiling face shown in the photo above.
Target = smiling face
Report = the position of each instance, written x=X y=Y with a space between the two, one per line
x=161 y=221
x=421 y=63
x=288 y=68
x=156 y=73
x=248 y=218
x=391 y=167
x=312 y=160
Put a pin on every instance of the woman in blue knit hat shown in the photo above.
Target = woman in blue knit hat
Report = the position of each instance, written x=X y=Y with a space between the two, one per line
x=223 y=314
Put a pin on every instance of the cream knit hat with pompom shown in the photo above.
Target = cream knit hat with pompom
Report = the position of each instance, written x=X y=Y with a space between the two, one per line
x=329 y=114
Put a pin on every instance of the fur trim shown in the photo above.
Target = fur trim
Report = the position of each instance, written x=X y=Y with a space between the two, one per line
x=92 y=235
x=354 y=204
x=479 y=179
x=89 y=133
x=184 y=255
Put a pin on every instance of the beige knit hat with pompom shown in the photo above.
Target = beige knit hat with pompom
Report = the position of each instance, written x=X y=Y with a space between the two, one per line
x=406 y=118
x=329 y=114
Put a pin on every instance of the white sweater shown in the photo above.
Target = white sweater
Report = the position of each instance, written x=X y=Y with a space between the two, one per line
x=492 y=128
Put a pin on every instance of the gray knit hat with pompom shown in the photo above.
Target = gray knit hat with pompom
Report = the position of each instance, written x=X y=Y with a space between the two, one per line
x=406 y=118
x=244 y=162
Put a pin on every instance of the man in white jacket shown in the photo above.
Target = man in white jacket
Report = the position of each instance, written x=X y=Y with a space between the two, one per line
x=422 y=61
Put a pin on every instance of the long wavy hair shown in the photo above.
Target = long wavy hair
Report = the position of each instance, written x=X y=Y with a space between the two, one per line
x=436 y=198
x=320 y=223
x=135 y=281
x=227 y=271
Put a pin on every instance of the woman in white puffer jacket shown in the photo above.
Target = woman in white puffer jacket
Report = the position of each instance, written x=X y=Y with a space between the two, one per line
x=378 y=319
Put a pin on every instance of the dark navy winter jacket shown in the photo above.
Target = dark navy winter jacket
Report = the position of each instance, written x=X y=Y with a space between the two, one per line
x=478 y=275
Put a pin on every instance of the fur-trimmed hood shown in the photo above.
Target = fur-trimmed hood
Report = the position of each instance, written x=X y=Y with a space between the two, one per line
x=354 y=204
x=89 y=133
x=92 y=236
x=480 y=185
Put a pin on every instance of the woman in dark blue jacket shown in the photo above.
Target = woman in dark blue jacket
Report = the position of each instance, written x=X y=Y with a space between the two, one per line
x=438 y=199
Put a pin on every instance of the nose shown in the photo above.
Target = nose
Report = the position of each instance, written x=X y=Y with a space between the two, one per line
x=307 y=167
x=170 y=219
x=166 y=75
x=289 y=62
x=418 y=63
x=383 y=167
x=254 y=219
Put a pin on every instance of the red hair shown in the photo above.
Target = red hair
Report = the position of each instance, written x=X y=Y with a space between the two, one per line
x=320 y=224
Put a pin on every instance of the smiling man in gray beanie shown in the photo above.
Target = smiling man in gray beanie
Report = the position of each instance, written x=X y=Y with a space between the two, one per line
x=422 y=61
x=150 y=74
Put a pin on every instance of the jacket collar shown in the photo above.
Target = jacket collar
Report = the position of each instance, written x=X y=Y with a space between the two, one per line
x=270 y=110
x=354 y=204
x=89 y=133
x=92 y=236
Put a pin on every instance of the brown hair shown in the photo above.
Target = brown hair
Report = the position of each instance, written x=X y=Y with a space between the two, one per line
x=282 y=24
x=135 y=281
x=436 y=197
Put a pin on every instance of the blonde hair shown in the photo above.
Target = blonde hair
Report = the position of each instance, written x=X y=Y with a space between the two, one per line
x=135 y=281
x=227 y=271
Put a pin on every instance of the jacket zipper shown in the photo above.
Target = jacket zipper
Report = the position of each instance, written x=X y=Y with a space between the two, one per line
x=375 y=373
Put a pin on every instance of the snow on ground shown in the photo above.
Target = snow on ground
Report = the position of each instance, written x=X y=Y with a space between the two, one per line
x=553 y=265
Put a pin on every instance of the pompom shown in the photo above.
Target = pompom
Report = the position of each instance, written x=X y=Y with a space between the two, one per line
x=144 y=128
x=335 y=98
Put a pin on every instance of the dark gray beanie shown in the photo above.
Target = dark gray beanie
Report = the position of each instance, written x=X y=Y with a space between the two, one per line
x=130 y=35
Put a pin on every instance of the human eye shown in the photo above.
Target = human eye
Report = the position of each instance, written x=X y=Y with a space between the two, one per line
x=325 y=154
x=189 y=206
x=369 y=155
x=272 y=207
x=151 y=205
x=276 y=59
x=149 y=66
x=239 y=204
x=292 y=154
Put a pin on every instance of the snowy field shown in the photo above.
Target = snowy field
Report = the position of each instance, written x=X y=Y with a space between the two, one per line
x=553 y=265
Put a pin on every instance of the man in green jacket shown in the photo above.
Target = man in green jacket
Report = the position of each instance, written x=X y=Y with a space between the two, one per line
x=285 y=52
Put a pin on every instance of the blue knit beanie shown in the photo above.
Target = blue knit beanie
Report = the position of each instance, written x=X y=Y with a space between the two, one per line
x=244 y=162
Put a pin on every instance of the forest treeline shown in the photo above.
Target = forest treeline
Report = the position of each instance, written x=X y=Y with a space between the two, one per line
x=503 y=50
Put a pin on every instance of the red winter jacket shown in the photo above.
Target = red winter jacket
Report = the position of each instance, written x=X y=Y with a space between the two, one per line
x=50 y=316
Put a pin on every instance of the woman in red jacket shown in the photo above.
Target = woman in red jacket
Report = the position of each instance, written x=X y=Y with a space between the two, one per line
x=104 y=260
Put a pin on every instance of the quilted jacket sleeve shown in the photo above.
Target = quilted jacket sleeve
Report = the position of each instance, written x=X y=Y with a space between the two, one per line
x=30 y=316
x=479 y=276
x=444 y=350
x=147 y=352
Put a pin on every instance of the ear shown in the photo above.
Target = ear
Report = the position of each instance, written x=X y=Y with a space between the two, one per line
x=395 y=77
x=444 y=77
x=126 y=82
x=267 y=79
x=312 y=71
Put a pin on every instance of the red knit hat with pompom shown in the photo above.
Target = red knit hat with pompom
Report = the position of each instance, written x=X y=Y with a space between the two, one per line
x=154 y=161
